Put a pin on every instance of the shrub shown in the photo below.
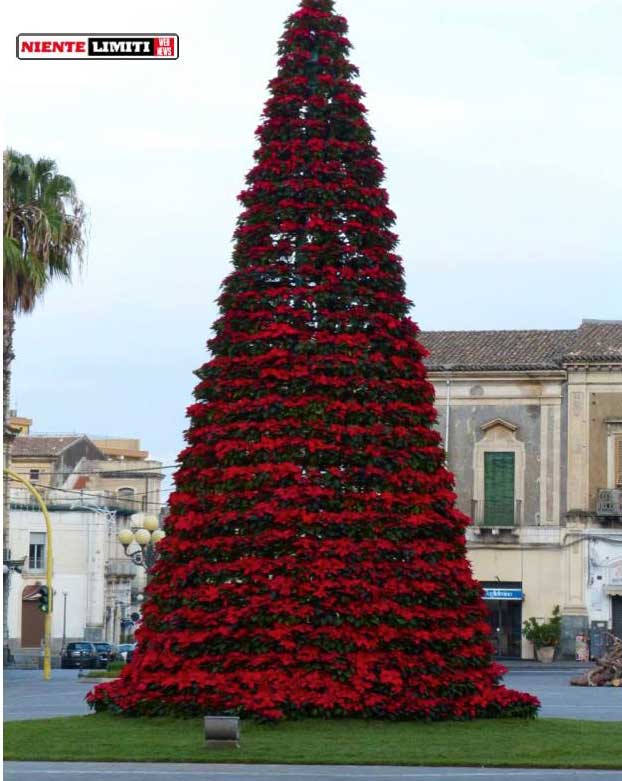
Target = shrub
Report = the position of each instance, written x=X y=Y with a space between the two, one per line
x=546 y=633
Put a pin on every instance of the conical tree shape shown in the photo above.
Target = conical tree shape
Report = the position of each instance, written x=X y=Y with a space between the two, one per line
x=315 y=562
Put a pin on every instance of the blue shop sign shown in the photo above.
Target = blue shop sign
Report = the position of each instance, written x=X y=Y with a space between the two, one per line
x=510 y=594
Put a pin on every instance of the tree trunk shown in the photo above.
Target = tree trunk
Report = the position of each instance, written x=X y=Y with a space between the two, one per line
x=8 y=327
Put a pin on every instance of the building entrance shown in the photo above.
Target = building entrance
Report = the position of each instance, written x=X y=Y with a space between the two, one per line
x=33 y=620
x=505 y=616
x=616 y=616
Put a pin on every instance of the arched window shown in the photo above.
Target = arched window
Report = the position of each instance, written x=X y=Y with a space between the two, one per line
x=126 y=494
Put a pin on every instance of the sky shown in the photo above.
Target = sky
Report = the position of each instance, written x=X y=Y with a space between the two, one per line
x=499 y=122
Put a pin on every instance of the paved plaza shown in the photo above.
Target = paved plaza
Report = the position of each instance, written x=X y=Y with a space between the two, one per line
x=28 y=696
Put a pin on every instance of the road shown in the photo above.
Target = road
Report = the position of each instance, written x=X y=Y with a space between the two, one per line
x=562 y=701
x=50 y=771
x=28 y=696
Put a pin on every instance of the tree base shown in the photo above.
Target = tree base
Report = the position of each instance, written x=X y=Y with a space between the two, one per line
x=496 y=702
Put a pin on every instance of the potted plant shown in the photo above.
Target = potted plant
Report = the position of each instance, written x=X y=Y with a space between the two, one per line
x=545 y=636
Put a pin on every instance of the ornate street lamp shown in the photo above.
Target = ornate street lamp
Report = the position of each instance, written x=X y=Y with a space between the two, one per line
x=146 y=537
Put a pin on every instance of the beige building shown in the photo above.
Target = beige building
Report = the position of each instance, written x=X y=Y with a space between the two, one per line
x=93 y=488
x=532 y=422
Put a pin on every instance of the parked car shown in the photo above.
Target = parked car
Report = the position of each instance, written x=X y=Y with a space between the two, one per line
x=106 y=652
x=124 y=648
x=81 y=655
x=130 y=653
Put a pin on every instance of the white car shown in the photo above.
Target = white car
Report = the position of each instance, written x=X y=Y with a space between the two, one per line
x=124 y=648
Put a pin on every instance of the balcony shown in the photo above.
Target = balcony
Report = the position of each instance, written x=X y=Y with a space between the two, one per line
x=67 y=499
x=120 y=568
x=609 y=503
x=490 y=520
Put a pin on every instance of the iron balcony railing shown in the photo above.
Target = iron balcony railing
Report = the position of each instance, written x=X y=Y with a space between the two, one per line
x=493 y=518
x=120 y=568
x=62 y=499
x=609 y=502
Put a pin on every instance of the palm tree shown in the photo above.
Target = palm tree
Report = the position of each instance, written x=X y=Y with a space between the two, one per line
x=43 y=229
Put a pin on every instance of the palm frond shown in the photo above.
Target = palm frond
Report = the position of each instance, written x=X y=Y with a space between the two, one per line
x=43 y=228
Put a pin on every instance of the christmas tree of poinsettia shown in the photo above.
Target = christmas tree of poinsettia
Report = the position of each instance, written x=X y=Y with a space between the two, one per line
x=315 y=562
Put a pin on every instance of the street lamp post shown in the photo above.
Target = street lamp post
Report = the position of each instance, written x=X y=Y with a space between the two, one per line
x=121 y=623
x=147 y=539
x=49 y=564
x=64 y=621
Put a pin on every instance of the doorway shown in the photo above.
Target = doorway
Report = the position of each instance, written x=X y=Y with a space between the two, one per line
x=33 y=620
x=616 y=616
x=505 y=620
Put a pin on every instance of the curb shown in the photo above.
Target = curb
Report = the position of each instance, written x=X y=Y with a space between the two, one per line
x=553 y=668
x=86 y=679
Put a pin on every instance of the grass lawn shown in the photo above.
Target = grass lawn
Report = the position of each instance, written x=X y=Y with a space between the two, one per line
x=511 y=742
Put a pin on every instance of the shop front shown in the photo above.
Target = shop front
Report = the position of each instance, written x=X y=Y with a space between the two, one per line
x=605 y=589
x=614 y=590
x=505 y=616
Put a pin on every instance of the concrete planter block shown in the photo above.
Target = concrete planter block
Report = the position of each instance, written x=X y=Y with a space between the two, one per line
x=93 y=681
x=221 y=731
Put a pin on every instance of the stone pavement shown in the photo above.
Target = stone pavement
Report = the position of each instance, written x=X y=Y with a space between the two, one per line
x=28 y=696
x=562 y=701
x=51 y=771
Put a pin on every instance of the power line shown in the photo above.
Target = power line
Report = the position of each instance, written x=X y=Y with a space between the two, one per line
x=77 y=492
x=25 y=471
x=82 y=492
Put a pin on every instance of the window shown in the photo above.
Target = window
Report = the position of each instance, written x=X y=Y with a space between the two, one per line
x=499 y=476
x=34 y=474
x=614 y=453
x=127 y=496
x=499 y=489
x=36 y=551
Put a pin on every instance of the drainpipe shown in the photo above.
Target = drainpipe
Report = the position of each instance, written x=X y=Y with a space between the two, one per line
x=447 y=412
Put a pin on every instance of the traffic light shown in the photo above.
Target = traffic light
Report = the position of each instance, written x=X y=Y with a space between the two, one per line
x=44 y=599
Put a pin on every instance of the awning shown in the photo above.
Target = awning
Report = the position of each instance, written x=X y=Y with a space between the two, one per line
x=614 y=591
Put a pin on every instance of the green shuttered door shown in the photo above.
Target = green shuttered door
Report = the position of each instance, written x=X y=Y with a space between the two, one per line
x=499 y=489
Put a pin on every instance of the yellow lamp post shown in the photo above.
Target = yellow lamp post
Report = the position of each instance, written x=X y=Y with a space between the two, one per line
x=47 y=631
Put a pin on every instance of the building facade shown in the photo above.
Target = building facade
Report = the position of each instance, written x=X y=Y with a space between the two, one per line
x=532 y=423
x=92 y=489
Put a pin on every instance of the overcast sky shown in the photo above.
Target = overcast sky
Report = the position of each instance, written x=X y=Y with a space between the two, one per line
x=499 y=122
